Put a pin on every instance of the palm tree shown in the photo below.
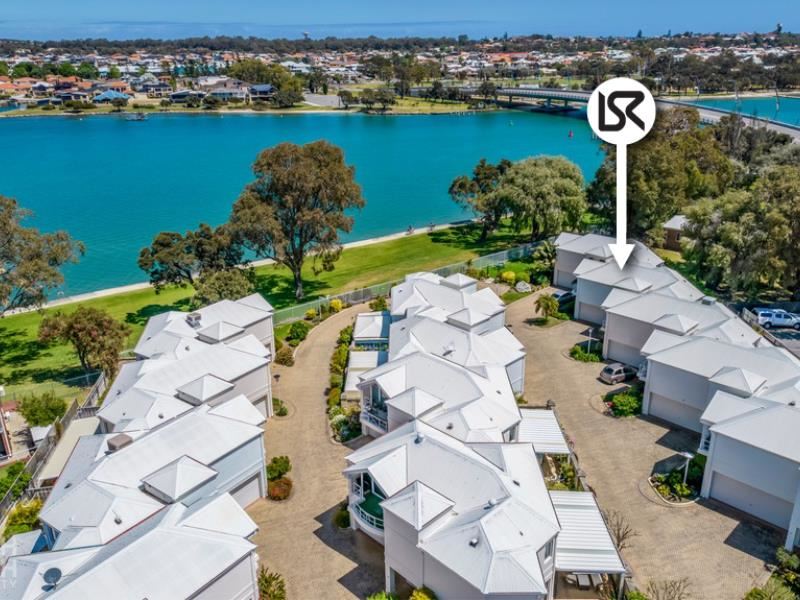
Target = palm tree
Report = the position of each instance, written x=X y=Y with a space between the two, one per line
x=546 y=305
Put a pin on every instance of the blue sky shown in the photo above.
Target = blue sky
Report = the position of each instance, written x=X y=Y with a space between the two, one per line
x=47 y=19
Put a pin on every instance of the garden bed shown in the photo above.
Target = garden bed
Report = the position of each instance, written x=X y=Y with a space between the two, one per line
x=671 y=487
x=625 y=403
x=345 y=421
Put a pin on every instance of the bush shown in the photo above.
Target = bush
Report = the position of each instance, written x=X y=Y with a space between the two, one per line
x=627 y=403
x=271 y=586
x=23 y=518
x=422 y=593
x=635 y=595
x=298 y=331
x=788 y=568
x=285 y=356
x=279 y=489
x=279 y=408
x=278 y=467
x=311 y=314
x=334 y=397
x=338 y=423
x=335 y=381
x=339 y=359
x=336 y=305
x=39 y=411
x=382 y=596
x=379 y=303
x=346 y=336
x=508 y=277
x=10 y=481
x=774 y=589
x=580 y=354
x=341 y=518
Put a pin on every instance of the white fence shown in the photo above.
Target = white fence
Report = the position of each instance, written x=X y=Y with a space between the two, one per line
x=295 y=313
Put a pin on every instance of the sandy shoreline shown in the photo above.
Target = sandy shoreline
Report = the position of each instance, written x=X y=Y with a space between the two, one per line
x=257 y=263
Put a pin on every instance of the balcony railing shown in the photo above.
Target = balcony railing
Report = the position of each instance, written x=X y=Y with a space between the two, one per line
x=371 y=520
x=375 y=420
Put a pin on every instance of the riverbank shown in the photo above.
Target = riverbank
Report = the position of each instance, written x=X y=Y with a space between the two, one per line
x=135 y=287
x=31 y=367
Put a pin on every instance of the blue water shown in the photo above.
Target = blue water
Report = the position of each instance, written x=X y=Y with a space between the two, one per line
x=114 y=184
x=785 y=110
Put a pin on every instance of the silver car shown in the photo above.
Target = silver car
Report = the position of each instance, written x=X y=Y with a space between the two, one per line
x=617 y=373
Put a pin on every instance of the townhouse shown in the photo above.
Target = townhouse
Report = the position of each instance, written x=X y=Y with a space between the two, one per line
x=704 y=370
x=472 y=520
x=185 y=359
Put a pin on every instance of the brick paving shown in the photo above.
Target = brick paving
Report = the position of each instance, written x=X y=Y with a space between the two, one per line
x=296 y=537
x=720 y=551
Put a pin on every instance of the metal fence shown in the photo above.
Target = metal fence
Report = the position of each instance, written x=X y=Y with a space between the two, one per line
x=67 y=389
x=42 y=452
x=297 y=312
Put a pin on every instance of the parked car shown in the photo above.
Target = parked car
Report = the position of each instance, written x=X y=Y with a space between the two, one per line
x=617 y=373
x=564 y=298
x=777 y=317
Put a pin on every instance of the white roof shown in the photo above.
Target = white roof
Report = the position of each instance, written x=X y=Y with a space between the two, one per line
x=633 y=277
x=173 y=554
x=101 y=493
x=772 y=429
x=738 y=379
x=724 y=406
x=540 y=427
x=596 y=246
x=483 y=519
x=371 y=326
x=677 y=223
x=584 y=543
x=219 y=331
x=178 y=478
x=670 y=313
x=58 y=458
x=204 y=388
x=474 y=407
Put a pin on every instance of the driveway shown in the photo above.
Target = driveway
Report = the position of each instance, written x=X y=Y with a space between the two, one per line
x=720 y=551
x=296 y=537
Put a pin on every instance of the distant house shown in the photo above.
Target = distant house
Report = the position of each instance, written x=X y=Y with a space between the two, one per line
x=157 y=89
x=110 y=96
x=227 y=94
x=673 y=230
x=182 y=96
x=262 y=92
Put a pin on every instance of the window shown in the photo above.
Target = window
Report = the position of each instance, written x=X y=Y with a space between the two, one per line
x=548 y=550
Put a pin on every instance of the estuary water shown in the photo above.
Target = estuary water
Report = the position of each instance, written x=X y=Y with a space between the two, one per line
x=114 y=184
x=784 y=109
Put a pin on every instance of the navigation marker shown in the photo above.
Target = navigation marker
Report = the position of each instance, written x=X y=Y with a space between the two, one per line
x=621 y=112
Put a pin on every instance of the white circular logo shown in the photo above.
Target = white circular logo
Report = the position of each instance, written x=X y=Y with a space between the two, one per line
x=621 y=111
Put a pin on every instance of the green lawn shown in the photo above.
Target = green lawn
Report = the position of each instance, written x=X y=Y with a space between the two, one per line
x=28 y=366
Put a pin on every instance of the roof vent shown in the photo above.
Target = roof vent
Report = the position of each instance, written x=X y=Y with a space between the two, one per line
x=473 y=542
x=193 y=319
x=119 y=441
x=515 y=482
x=117 y=520
x=491 y=503
x=792 y=403
x=448 y=349
x=708 y=300
x=449 y=426
x=420 y=438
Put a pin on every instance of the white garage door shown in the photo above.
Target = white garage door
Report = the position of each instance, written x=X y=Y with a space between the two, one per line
x=675 y=412
x=591 y=313
x=624 y=354
x=751 y=500
x=248 y=492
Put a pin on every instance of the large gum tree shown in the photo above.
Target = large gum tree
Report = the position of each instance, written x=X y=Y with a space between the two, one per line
x=295 y=208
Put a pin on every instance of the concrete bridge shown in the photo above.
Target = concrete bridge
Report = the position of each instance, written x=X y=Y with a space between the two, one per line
x=558 y=100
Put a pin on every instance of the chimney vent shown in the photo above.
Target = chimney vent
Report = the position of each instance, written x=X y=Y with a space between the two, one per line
x=193 y=319
x=119 y=441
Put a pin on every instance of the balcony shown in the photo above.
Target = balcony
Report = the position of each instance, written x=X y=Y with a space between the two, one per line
x=369 y=511
x=377 y=420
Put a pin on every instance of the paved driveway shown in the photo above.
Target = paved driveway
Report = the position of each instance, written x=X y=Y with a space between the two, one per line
x=296 y=537
x=720 y=551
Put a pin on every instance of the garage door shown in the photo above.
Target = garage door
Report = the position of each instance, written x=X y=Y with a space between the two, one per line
x=751 y=500
x=248 y=492
x=624 y=354
x=564 y=279
x=591 y=313
x=675 y=412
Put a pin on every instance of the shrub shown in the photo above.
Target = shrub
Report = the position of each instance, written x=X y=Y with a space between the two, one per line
x=774 y=589
x=338 y=423
x=334 y=411
x=339 y=359
x=382 y=596
x=298 y=331
x=334 y=397
x=336 y=305
x=580 y=354
x=311 y=314
x=627 y=403
x=422 y=593
x=278 y=467
x=508 y=277
x=341 y=518
x=335 y=381
x=279 y=489
x=788 y=568
x=378 y=303
x=472 y=272
x=24 y=517
x=42 y=410
x=279 y=408
x=346 y=336
x=285 y=356
x=11 y=482
x=561 y=316
x=635 y=595
x=271 y=586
